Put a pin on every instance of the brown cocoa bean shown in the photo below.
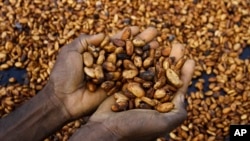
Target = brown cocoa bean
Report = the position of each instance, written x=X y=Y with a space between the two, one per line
x=129 y=48
x=109 y=66
x=165 y=107
x=88 y=59
x=173 y=78
x=136 y=89
x=118 y=42
x=138 y=42
x=126 y=34
x=129 y=74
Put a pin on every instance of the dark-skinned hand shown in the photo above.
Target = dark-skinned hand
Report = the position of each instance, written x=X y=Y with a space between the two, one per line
x=67 y=77
x=139 y=124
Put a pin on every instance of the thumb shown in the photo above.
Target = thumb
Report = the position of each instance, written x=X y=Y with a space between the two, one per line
x=81 y=43
x=104 y=109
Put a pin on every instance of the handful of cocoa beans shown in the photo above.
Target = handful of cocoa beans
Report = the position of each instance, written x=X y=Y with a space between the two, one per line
x=138 y=75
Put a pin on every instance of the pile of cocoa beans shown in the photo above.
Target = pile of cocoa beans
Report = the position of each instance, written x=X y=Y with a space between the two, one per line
x=138 y=75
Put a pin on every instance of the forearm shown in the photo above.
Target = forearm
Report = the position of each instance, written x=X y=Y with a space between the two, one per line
x=93 y=131
x=34 y=120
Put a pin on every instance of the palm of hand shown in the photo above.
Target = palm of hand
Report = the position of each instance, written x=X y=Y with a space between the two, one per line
x=134 y=124
x=67 y=75
x=67 y=78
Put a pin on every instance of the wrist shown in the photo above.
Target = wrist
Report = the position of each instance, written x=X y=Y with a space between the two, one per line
x=35 y=119
x=94 y=131
x=49 y=93
x=57 y=103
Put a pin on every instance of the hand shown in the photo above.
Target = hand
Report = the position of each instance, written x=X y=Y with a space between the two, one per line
x=61 y=100
x=67 y=76
x=66 y=79
x=139 y=124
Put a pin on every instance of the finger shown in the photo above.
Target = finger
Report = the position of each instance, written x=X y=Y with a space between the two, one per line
x=134 y=30
x=177 y=116
x=177 y=51
x=148 y=35
x=106 y=105
x=81 y=43
x=186 y=76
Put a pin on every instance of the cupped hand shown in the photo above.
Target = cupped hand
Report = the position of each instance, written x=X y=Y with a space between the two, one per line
x=67 y=77
x=141 y=124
